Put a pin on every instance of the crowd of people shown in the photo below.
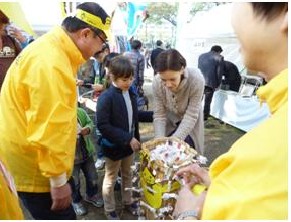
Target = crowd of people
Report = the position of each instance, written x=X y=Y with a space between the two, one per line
x=45 y=136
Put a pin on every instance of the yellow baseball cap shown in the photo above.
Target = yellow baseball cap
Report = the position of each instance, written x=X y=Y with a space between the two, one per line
x=101 y=22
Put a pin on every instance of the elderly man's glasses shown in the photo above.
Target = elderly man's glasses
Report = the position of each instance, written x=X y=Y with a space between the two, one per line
x=100 y=35
x=104 y=40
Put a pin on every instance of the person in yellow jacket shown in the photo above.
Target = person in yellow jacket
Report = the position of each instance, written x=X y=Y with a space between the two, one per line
x=250 y=181
x=38 y=114
x=10 y=208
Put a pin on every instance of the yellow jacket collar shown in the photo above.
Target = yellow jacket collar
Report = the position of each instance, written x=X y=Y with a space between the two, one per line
x=67 y=44
x=275 y=92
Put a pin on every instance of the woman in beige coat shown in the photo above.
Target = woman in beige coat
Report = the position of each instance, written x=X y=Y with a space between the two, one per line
x=178 y=92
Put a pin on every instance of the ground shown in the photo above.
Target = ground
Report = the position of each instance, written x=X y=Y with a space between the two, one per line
x=218 y=139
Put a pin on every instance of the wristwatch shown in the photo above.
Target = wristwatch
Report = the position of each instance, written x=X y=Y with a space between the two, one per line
x=190 y=213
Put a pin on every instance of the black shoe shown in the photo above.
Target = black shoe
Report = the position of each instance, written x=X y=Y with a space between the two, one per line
x=132 y=208
x=112 y=215
x=206 y=117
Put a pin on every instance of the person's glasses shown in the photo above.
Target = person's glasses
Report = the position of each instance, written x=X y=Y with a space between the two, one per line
x=103 y=39
x=101 y=35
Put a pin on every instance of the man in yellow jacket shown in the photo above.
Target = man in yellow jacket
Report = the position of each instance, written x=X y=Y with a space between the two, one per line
x=250 y=181
x=38 y=114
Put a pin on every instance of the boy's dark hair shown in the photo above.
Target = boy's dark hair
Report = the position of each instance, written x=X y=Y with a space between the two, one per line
x=269 y=10
x=120 y=67
x=159 y=43
x=135 y=44
x=3 y=18
x=216 y=48
x=108 y=58
x=73 y=24
x=170 y=59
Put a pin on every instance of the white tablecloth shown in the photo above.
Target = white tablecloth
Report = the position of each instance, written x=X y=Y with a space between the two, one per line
x=241 y=112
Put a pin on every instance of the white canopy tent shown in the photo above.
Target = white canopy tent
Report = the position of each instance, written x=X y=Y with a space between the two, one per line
x=207 y=28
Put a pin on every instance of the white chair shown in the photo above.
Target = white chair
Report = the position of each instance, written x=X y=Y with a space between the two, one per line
x=249 y=85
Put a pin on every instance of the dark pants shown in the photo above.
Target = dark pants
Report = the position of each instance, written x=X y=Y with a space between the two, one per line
x=145 y=116
x=208 y=94
x=100 y=153
x=188 y=139
x=99 y=149
x=90 y=175
x=39 y=206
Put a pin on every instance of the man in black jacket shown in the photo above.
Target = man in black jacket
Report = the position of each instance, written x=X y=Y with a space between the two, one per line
x=211 y=66
x=232 y=76
x=155 y=54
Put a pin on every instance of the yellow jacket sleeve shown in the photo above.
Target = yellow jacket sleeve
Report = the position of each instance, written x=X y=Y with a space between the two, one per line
x=51 y=118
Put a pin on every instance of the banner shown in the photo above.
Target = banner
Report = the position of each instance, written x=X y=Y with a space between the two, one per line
x=136 y=14
x=128 y=16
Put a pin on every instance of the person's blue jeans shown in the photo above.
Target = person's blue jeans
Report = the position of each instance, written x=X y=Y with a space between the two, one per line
x=39 y=206
x=89 y=171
